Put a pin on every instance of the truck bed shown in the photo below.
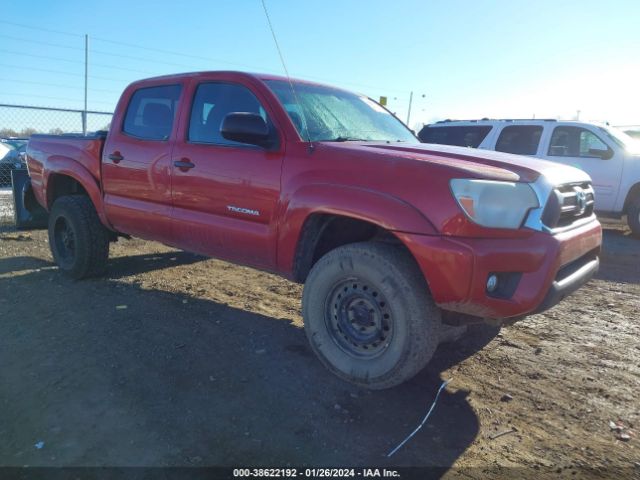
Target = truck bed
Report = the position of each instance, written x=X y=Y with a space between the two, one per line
x=44 y=150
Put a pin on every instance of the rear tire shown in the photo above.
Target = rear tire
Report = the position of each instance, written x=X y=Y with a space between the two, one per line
x=633 y=216
x=79 y=242
x=368 y=314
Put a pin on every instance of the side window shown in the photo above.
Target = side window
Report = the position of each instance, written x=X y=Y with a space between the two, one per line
x=575 y=142
x=519 y=139
x=461 y=136
x=151 y=112
x=212 y=103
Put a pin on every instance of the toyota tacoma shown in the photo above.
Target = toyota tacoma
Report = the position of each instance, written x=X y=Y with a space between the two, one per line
x=393 y=239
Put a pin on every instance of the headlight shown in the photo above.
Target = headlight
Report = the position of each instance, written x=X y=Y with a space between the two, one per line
x=494 y=204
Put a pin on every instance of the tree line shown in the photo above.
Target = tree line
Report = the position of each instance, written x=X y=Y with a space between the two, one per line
x=27 y=132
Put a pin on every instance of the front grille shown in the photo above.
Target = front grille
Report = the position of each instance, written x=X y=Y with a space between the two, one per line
x=567 y=204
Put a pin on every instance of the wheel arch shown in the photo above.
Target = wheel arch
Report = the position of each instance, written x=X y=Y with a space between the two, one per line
x=65 y=176
x=320 y=218
x=634 y=192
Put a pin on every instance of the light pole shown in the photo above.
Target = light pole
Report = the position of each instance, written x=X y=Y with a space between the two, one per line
x=86 y=78
x=410 y=102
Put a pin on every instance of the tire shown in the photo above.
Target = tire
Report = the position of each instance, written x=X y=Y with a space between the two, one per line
x=79 y=242
x=633 y=216
x=368 y=315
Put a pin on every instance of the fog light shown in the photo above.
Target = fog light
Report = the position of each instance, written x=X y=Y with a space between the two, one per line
x=492 y=283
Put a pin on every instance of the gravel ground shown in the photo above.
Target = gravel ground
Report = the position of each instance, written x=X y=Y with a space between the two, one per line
x=173 y=359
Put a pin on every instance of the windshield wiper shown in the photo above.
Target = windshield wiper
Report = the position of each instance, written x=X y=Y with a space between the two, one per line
x=345 y=139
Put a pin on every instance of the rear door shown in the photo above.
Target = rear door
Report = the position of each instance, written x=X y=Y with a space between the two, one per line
x=519 y=139
x=136 y=163
x=585 y=149
x=225 y=193
x=458 y=135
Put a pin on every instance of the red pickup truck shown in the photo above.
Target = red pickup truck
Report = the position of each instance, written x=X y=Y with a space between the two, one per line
x=392 y=238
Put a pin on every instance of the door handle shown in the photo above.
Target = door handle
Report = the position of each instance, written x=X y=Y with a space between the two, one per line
x=115 y=157
x=184 y=164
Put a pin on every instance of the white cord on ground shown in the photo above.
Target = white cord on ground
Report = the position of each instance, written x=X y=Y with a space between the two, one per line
x=424 y=420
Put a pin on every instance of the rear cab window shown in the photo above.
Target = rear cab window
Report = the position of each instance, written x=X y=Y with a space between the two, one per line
x=151 y=112
x=519 y=139
x=461 y=136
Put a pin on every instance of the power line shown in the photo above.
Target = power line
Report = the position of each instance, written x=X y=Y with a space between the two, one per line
x=179 y=54
x=142 y=59
x=49 y=97
x=238 y=64
x=15 y=24
x=33 y=55
x=51 y=109
x=35 y=69
x=62 y=73
x=113 y=67
x=124 y=69
x=39 y=42
x=29 y=82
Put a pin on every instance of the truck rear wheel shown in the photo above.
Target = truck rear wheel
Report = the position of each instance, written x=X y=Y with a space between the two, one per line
x=633 y=216
x=368 y=314
x=78 y=241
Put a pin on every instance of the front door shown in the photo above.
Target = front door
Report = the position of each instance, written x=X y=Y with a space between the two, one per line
x=225 y=193
x=584 y=149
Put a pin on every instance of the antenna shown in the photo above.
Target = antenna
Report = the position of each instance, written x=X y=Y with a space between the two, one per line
x=286 y=71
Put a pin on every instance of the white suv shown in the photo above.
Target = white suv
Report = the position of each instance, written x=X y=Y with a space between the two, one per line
x=609 y=156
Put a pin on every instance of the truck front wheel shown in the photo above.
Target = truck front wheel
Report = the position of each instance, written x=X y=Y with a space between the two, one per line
x=78 y=241
x=633 y=216
x=369 y=316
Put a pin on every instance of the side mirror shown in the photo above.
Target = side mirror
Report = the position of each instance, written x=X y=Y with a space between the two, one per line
x=245 y=127
x=603 y=154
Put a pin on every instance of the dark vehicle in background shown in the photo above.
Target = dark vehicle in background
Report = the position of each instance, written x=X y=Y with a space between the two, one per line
x=12 y=157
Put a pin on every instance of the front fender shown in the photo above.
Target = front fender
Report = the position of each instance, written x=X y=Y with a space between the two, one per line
x=384 y=210
x=65 y=166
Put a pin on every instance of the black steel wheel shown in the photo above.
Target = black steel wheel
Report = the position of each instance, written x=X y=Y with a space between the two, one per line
x=368 y=314
x=359 y=318
x=65 y=240
x=79 y=242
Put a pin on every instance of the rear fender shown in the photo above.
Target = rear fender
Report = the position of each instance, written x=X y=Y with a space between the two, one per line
x=65 y=166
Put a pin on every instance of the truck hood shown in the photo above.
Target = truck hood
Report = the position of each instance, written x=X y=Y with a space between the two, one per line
x=473 y=162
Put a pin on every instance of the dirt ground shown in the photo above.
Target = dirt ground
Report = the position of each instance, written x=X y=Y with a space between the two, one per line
x=177 y=360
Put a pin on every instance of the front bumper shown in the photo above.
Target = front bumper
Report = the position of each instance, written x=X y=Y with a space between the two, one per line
x=545 y=268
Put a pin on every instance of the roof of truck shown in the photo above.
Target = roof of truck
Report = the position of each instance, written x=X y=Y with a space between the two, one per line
x=258 y=76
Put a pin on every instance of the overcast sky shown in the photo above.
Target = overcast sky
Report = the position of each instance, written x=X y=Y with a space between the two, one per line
x=462 y=59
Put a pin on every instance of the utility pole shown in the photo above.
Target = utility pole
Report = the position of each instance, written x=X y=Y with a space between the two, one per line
x=86 y=78
x=409 y=112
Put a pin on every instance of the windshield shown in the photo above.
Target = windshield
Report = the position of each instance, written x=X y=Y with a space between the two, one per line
x=627 y=142
x=329 y=114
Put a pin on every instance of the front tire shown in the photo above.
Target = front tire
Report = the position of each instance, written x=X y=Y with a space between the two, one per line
x=79 y=242
x=633 y=216
x=368 y=314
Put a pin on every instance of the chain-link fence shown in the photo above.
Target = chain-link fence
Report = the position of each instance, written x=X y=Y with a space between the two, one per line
x=19 y=122
x=6 y=208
